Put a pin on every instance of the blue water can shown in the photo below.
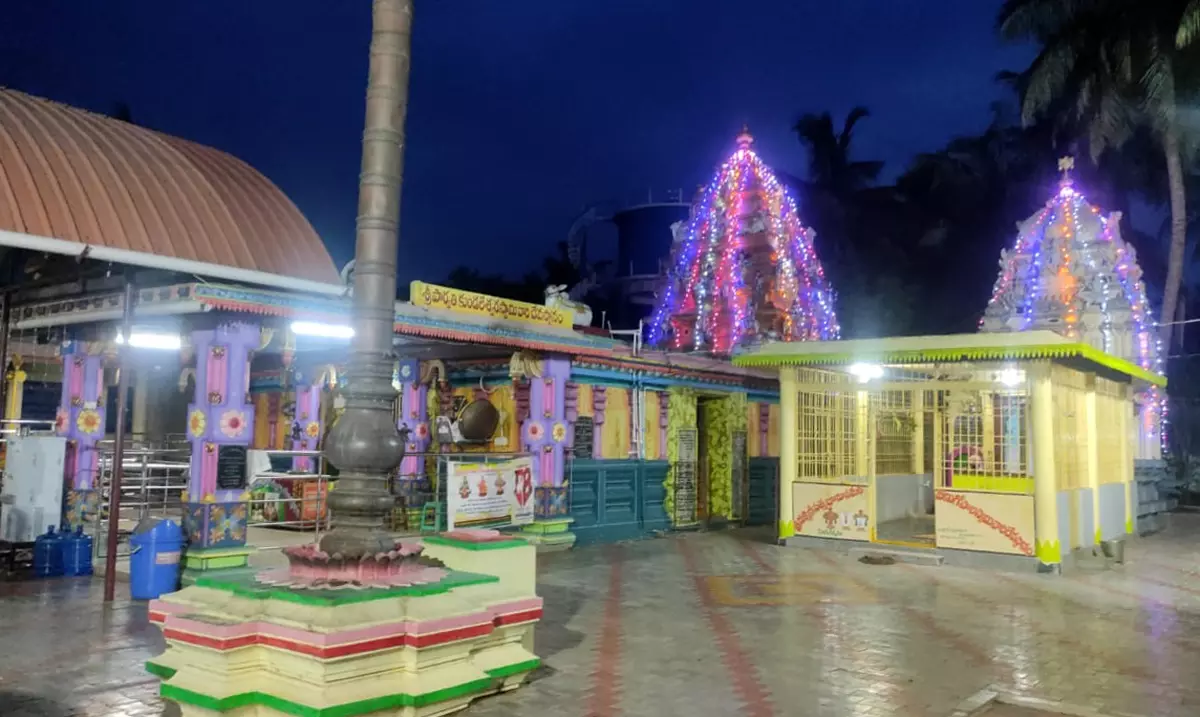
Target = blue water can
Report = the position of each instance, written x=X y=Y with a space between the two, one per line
x=154 y=561
x=47 y=555
x=77 y=553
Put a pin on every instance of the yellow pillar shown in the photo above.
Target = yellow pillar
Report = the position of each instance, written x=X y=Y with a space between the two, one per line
x=987 y=411
x=918 y=432
x=1045 y=485
x=938 y=459
x=789 y=459
x=861 y=454
x=1093 y=452
x=141 y=395
x=1129 y=431
x=14 y=403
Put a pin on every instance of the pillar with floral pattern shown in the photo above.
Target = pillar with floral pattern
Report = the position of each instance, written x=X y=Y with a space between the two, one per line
x=220 y=428
x=306 y=427
x=545 y=433
x=81 y=420
x=412 y=482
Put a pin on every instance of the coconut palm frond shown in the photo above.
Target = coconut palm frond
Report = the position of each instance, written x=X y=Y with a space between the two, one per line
x=1031 y=19
x=1189 y=25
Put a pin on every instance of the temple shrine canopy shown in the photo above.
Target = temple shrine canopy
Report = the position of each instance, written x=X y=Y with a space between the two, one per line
x=1071 y=272
x=80 y=184
x=744 y=268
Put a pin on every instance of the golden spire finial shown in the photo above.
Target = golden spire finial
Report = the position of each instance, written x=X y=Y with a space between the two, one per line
x=745 y=139
x=1065 y=165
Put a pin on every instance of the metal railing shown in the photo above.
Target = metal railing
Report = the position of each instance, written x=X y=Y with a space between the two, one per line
x=153 y=481
x=308 y=511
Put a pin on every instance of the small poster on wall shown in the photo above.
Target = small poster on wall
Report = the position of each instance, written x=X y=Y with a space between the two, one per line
x=490 y=494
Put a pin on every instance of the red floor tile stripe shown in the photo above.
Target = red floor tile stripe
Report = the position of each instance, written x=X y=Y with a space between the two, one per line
x=605 y=693
x=756 y=701
x=752 y=551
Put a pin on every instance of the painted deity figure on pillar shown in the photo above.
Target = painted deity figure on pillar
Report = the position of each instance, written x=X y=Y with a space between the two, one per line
x=306 y=425
x=744 y=267
x=220 y=421
x=412 y=483
x=1071 y=272
x=81 y=419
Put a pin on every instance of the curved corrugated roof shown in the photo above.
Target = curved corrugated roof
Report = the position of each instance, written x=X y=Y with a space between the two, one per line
x=74 y=175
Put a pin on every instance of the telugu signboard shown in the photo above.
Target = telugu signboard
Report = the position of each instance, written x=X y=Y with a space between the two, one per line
x=991 y=522
x=489 y=494
x=831 y=510
x=493 y=307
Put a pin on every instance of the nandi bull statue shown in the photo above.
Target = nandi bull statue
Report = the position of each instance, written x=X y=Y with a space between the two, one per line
x=557 y=297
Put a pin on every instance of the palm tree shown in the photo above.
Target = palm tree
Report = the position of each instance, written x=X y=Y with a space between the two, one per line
x=829 y=165
x=965 y=199
x=1112 y=66
x=833 y=187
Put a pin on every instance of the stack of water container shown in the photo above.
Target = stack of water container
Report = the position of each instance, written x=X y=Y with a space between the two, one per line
x=65 y=553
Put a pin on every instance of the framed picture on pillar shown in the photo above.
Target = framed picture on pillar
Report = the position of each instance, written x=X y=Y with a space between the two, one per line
x=231 y=467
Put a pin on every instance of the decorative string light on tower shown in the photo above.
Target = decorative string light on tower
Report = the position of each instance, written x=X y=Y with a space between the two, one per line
x=1071 y=272
x=745 y=269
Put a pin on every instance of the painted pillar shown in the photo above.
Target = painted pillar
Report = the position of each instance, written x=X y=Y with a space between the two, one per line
x=599 y=403
x=938 y=453
x=220 y=429
x=1130 y=431
x=1093 y=452
x=15 y=378
x=1045 y=483
x=918 y=432
x=81 y=419
x=412 y=483
x=15 y=396
x=789 y=459
x=988 y=414
x=306 y=427
x=862 y=401
x=141 y=396
x=274 y=416
x=544 y=434
x=664 y=420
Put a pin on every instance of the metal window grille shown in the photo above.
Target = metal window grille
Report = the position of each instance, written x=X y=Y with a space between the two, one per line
x=827 y=429
x=892 y=412
x=982 y=440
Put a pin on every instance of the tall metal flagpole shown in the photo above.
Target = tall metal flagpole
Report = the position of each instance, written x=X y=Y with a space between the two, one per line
x=364 y=443
x=118 y=465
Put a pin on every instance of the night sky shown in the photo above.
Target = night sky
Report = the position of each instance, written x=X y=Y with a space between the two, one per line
x=522 y=112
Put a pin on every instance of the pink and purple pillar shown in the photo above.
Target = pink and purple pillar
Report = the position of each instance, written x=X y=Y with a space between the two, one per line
x=412 y=483
x=545 y=433
x=81 y=420
x=307 y=428
x=220 y=428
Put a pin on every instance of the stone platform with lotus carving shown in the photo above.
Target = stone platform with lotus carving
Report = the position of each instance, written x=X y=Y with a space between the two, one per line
x=420 y=630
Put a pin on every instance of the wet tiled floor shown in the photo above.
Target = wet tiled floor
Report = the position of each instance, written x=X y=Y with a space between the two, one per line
x=719 y=624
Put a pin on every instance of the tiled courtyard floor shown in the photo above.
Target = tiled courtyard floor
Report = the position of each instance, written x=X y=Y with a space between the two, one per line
x=718 y=624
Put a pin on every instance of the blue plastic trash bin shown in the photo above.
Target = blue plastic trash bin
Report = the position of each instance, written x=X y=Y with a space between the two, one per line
x=154 y=560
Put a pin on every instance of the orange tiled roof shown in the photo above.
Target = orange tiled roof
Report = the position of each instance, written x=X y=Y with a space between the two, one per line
x=74 y=175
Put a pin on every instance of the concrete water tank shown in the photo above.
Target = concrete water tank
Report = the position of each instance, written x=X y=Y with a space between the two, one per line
x=644 y=236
